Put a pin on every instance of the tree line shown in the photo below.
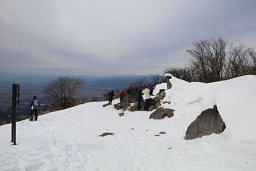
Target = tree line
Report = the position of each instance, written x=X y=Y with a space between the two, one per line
x=62 y=92
x=212 y=60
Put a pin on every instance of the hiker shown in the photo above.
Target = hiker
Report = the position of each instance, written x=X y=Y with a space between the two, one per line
x=146 y=94
x=129 y=90
x=121 y=95
x=34 y=106
x=151 y=88
x=139 y=98
x=110 y=96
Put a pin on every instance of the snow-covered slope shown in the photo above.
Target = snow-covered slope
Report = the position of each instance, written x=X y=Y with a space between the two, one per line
x=68 y=139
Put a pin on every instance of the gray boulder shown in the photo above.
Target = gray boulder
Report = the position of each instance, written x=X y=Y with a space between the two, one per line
x=124 y=104
x=161 y=113
x=161 y=91
x=208 y=122
x=121 y=114
x=117 y=106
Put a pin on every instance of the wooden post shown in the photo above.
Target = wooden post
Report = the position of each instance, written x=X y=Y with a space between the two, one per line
x=15 y=100
x=169 y=85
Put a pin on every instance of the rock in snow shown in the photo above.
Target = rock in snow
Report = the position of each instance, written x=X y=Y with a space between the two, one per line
x=161 y=113
x=107 y=104
x=208 y=122
x=106 y=134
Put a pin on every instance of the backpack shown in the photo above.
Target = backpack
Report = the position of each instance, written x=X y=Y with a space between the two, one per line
x=35 y=104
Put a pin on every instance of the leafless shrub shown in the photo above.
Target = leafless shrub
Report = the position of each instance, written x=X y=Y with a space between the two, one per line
x=94 y=99
x=242 y=61
x=182 y=73
x=209 y=59
x=212 y=62
x=62 y=91
x=238 y=63
x=252 y=55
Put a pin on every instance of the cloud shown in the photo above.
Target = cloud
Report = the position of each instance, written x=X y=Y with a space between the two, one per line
x=114 y=37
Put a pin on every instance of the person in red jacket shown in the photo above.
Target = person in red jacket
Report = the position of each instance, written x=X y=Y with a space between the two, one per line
x=121 y=95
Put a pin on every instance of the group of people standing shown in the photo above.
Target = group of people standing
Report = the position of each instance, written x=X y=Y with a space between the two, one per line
x=140 y=94
x=147 y=92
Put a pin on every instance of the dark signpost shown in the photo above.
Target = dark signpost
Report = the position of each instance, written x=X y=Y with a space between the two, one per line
x=15 y=101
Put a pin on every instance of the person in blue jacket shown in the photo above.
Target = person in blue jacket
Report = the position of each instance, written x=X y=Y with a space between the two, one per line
x=34 y=106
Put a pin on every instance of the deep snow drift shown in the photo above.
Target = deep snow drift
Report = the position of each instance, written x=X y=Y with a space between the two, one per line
x=68 y=139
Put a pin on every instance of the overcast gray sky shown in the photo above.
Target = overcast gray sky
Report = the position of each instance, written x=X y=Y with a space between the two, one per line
x=115 y=37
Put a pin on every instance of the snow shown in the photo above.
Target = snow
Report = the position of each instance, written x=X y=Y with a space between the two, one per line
x=168 y=75
x=68 y=139
x=159 y=87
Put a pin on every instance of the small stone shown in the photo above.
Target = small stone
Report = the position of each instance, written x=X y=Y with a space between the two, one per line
x=107 y=104
x=121 y=114
x=106 y=134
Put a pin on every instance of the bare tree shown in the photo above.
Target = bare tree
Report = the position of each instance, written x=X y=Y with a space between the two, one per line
x=239 y=61
x=212 y=62
x=209 y=59
x=62 y=91
x=252 y=55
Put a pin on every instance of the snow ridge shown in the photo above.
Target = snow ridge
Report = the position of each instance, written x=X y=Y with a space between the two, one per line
x=69 y=139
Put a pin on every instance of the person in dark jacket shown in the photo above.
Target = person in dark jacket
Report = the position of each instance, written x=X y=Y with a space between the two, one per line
x=128 y=90
x=139 y=98
x=34 y=106
x=151 y=88
x=110 y=96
